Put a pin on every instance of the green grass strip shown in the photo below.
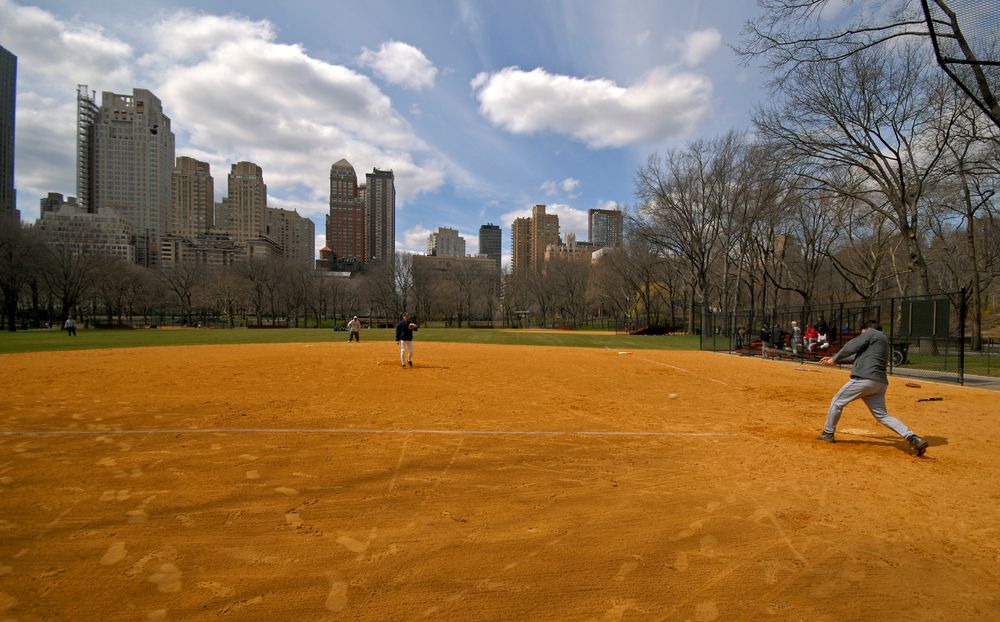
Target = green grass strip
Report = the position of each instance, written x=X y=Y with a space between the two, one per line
x=56 y=340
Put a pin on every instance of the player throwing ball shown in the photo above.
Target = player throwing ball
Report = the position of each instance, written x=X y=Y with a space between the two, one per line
x=404 y=337
x=868 y=381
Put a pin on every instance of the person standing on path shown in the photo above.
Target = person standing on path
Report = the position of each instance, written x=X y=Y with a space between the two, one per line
x=869 y=383
x=354 y=330
x=404 y=337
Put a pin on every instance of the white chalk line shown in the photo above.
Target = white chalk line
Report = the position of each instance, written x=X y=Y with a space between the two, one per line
x=552 y=433
x=686 y=371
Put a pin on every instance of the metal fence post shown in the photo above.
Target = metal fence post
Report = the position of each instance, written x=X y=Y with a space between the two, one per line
x=962 y=310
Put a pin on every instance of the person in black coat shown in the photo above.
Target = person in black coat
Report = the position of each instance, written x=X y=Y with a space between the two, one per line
x=404 y=337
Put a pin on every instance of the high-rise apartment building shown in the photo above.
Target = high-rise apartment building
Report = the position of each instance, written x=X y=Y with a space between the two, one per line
x=605 y=227
x=445 y=242
x=126 y=149
x=8 y=95
x=361 y=225
x=345 y=224
x=246 y=202
x=520 y=247
x=531 y=236
x=193 y=198
x=294 y=234
x=380 y=215
x=490 y=242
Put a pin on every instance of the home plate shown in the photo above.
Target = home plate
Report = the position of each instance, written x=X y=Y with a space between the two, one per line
x=859 y=432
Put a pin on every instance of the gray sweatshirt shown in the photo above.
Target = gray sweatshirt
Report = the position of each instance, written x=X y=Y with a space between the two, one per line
x=871 y=355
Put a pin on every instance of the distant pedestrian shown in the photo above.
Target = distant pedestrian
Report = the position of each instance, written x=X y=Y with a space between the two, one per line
x=404 y=337
x=354 y=328
x=796 y=338
x=70 y=327
x=868 y=382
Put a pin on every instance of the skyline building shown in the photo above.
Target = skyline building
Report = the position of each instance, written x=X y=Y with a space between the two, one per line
x=8 y=99
x=380 y=215
x=126 y=150
x=605 y=227
x=491 y=242
x=68 y=225
x=246 y=202
x=193 y=192
x=571 y=250
x=345 y=223
x=294 y=234
x=445 y=242
x=531 y=236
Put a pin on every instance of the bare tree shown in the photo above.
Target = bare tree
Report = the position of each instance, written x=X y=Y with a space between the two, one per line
x=689 y=205
x=182 y=280
x=68 y=274
x=792 y=33
x=964 y=196
x=874 y=122
x=569 y=278
x=19 y=250
x=228 y=291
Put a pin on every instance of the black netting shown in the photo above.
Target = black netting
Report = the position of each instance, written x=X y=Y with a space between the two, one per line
x=978 y=23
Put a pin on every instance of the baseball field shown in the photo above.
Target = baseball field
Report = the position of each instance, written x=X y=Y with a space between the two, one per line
x=320 y=481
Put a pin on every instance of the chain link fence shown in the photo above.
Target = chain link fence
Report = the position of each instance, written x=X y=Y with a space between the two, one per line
x=927 y=334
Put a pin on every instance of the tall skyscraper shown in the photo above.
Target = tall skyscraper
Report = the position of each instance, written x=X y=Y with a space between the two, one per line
x=446 y=242
x=193 y=197
x=520 y=244
x=127 y=150
x=490 y=242
x=380 y=215
x=8 y=95
x=605 y=227
x=530 y=237
x=246 y=201
x=345 y=224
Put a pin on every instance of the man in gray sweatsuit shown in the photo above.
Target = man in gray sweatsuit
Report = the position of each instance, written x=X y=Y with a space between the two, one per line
x=868 y=382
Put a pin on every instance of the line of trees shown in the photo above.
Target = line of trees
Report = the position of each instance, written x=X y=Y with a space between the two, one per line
x=871 y=175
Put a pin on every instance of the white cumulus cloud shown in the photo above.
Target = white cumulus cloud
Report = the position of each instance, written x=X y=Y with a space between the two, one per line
x=414 y=240
x=664 y=104
x=401 y=64
x=700 y=44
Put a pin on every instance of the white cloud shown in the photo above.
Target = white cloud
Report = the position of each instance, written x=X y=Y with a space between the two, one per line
x=596 y=111
x=320 y=241
x=552 y=188
x=700 y=44
x=401 y=64
x=414 y=240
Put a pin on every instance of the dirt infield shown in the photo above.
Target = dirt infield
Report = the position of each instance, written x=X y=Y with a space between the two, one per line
x=323 y=482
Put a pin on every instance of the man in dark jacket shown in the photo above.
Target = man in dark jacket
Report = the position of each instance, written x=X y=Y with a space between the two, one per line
x=868 y=381
x=404 y=337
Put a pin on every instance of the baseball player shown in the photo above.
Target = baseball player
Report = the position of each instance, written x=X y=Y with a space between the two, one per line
x=404 y=337
x=868 y=382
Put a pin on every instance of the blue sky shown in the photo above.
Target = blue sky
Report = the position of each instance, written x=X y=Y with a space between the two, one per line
x=482 y=109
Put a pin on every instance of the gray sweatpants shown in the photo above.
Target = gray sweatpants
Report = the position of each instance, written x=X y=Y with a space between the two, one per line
x=873 y=393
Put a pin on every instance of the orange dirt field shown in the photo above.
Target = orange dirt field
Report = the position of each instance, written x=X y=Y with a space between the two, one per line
x=322 y=482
